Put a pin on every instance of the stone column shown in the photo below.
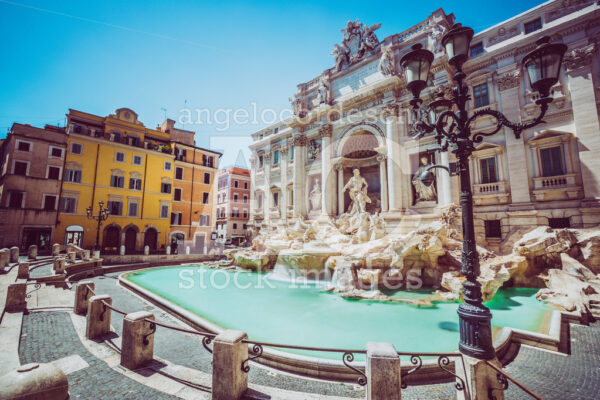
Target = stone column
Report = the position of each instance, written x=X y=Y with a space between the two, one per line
x=480 y=379
x=340 y=187
x=508 y=84
x=137 y=347
x=55 y=249
x=383 y=372
x=284 y=181
x=394 y=170
x=32 y=252
x=327 y=178
x=14 y=254
x=98 y=317
x=268 y=196
x=253 y=170
x=383 y=182
x=299 y=143
x=229 y=381
x=444 y=187
x=83 y=291
x=578 y=64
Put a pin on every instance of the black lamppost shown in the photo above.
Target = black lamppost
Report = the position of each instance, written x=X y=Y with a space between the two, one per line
x=452 y=126
x=102 y=215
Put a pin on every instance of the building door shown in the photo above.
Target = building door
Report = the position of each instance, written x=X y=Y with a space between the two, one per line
x=199 y=244
x=111 y=238
x=130 y=239
x=150 y=238
x=74 y=235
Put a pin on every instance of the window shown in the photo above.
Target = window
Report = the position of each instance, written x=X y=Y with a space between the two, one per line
x=493 y=228
x=480 y=95
x=276 y=157
x=205 y=198
x=133 y=209
x=20 y=168
x=76 y=148
x=552 y=164
x=245 y=213
x=137 y=160
x=236 y=184
x=16 y=199
x=177 y=194
x=292 y=153
x=533 y=26
x=245 y=226
x=245 y=198
x=477 y=49
x=204 y=220
x=135 y=183
x=167 y=166
x=276 y=199
x=117 y=181
x=259 y=200
x=234 y=226
x=55 y=152
x=559 y=223
x=176 y=218
x=235 y=213
x=235 y=197
x=115 y=207
x=165 y=188
x=68 y=205
x=179 y=173
x=488 y=170
x=260 y=161
x=49 y=202
x=207 y=178
x=245 y=185
x=24 y=146
x=53 y=172
x=119 y=156
x=73 y=175
x=164 y=211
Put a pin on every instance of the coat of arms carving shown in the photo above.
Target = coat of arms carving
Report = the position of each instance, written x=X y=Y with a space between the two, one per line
x=358 y=40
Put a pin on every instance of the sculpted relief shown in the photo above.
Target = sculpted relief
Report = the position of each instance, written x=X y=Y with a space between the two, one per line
x=358 y=40
x=422 y=191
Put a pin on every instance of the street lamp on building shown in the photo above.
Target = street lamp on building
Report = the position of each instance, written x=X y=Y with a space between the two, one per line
x=102 y=215
x=451 y=125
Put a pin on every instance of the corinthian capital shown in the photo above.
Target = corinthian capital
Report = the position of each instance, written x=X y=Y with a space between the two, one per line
x=381 y=158
x=325 y=131
x=299 y=140
x=391 y=109
x=508 y=80
x=579 y=58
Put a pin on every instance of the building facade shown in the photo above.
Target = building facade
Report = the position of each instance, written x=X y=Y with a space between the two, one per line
x=356 y=116
x=32 y=166
x=192 y=212
x=232 y=205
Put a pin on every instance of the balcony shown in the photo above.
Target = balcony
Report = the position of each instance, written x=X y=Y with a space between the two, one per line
x=560 y=187
x=491 y=193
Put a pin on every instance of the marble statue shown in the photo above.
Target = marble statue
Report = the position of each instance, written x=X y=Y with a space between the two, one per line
x=377 y=227
x=323 y=91
x=357 y=186
x=423 y=192
x=364 y=228
x=314 y=149
x=315 y=196
x=297 y=106
x=340 y=54
x=435 y=38
x=386 y=63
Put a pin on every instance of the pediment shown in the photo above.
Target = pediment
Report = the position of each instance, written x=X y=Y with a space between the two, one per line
x=549 y=133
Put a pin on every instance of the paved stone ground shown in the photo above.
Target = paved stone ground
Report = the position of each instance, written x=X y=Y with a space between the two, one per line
x=550 y=375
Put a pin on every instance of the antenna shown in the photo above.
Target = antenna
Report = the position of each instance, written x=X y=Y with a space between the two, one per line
x=165 y=111
x=184 y=106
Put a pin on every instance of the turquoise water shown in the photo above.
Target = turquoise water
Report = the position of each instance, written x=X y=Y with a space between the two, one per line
x=281 y=312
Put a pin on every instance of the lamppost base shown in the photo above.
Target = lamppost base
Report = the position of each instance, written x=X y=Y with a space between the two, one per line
x=476 y=331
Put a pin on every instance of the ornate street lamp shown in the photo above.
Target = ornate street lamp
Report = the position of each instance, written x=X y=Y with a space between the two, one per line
x=453 y=130
x=103 y=214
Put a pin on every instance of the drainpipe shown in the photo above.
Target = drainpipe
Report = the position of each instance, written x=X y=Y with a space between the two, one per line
x=94 y=189
x=192 y=194
x=62 y=179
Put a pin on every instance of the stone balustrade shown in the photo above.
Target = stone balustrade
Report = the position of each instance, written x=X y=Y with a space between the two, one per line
x=560 y=187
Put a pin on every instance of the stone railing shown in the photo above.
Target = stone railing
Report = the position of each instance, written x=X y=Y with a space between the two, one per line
x=560 y=187
x=491 y=193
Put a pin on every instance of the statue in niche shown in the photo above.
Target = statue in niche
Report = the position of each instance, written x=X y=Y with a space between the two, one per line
x=314 y=149
x=323 y=91
x=357 y=186
x=435 y=38
x=315 y=196
x=386 y=63
x=423 y=192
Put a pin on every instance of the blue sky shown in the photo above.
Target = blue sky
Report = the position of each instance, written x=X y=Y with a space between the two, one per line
x=97 y=56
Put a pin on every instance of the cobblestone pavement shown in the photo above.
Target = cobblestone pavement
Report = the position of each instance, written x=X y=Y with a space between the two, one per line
x=550 y=375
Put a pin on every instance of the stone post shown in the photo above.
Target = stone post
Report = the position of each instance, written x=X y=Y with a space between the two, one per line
x=383 y=182
x=34 y=381
x=14 y=254
x=98 y=317
x=72 y=256
x=146 y=250
x=59 y=265
x=122 y=250
x=83 y=292
x=480 y=379
x=4 y=257
x=137 y=347
x=32 y=252
x=55 y=249
x=168 y=250
x=23 y=271
x=187 y=250
x=340 y=188
x=15 y=297
x=85 y=255
x=229 y=382
x=383 y=372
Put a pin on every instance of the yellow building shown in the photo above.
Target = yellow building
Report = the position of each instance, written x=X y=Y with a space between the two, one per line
x=129 y=167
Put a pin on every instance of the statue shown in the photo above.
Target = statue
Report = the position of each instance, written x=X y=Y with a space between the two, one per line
x=297 y=106
x=314 y=149
x=357 y=186
x=435 y=39
x=357 y=41
x=424 y=192
x=323 y=91
x=364 y=226
x=386 y=63
x=377 y=227
x=315 y=196
x=370 y=40
x=340 y=55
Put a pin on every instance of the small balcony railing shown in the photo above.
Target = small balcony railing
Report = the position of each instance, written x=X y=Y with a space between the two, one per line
x=559 y=187
x=491 y=193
